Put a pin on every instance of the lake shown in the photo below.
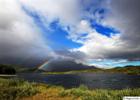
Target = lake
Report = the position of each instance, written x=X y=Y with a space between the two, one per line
x=91 y=80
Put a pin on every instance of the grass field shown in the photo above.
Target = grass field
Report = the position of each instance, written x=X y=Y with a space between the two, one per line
x=15 y=89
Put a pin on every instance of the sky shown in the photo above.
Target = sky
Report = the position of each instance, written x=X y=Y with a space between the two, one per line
x=104 y=33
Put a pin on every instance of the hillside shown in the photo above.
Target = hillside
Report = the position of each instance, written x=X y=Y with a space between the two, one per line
x=133 y=70
x=127 y=69
x=64 y=66
x=71 y=68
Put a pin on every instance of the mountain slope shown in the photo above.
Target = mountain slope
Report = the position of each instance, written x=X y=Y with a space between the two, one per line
x=65 y=65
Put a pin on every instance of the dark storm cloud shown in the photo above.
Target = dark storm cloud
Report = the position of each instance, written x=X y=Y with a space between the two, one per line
x=76 y=55
x=129 y=55
x=20 y=41
x=129 y=12
x=127 y=19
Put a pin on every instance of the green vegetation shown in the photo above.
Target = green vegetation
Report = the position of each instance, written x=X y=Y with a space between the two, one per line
x=11 y=89
x=133 y=70
x=13 y=69
x=15 y=89
x=7 y=69
x=99 y=94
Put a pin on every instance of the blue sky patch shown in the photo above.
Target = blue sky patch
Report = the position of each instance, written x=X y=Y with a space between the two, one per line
x=100 y=11
x=108 y=63
x=59 y=37
x=104 y=30
x=96 y=22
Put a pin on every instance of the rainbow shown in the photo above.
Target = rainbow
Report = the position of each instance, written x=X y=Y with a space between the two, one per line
x=42 y=65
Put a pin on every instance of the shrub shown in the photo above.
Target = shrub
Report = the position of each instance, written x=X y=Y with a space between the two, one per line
x=7 y=69
x=12 y=89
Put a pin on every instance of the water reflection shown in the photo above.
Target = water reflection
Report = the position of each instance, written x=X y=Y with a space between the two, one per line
x=92 y=80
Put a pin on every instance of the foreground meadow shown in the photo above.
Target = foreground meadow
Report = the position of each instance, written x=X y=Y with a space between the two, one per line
x=15 y=89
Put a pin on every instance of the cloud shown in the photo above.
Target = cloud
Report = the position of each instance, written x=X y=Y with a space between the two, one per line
x=125 y=19
x=64 y=10
x=106 y=29
x=123 y=45
x=19 y=38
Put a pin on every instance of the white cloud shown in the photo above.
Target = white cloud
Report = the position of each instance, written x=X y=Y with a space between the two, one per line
x=67 y=11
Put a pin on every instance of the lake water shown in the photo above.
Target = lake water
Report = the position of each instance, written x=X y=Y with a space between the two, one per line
x=91 y=80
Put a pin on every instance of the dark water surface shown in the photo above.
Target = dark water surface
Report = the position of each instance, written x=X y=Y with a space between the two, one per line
x=91 y=80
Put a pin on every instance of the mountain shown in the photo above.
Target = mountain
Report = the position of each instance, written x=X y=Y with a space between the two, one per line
x=64 y=65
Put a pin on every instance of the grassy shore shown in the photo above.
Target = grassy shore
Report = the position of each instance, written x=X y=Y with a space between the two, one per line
x=11 y=89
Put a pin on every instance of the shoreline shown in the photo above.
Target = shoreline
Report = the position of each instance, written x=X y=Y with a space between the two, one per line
x=6 y=75
x=81 y=72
